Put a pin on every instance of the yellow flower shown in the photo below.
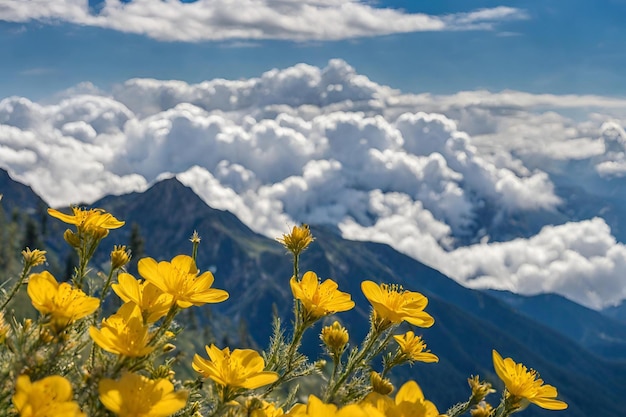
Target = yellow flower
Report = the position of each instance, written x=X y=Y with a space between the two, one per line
x=482 y=409
x=335 y=337
x=317 y=408
x=5 y=329
x=267 y=410
x=480 y=389
x=120 y=256
x=95 y=222
x=392 y=304
x=124 y=333
x=522 y=383
x=137 y=396
x=153 y=302
x=414 y=348
x=180 y=279
x=319 y=299
x=34 y=257
x=50 y=396
x=64 y=303
x=298 y=240
x=379 y=384
x=241 y=368
x=409 y=402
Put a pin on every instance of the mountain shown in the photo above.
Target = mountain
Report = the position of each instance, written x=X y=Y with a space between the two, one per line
x=617 y=312
x=604 y=336
x=469 y=323
x=18 y=196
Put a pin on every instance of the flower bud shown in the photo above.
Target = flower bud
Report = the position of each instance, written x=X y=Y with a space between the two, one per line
x=120 y=256
x=335 y=337
x=163 y=371
x=480 y=389
x=298 y=240
x=379 y=384
x=34 y=257
x=71 y=238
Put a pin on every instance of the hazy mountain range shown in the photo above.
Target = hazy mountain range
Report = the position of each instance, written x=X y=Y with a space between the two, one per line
x=578 y=350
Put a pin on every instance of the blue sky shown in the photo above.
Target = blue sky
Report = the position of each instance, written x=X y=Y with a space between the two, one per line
x=556 y=46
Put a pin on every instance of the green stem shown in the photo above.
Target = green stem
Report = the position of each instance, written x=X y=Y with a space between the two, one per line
x=194 y=251
x=96 y=315
x=293 y=346
x=296 y=271
x=106 y=287
x=16 y=287
x=353 y=363
x=336 y=363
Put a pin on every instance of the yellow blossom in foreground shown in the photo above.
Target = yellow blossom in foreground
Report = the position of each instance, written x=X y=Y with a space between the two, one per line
x=62 y=302
x=33 y=257
x=298 y=240
x=409 y=402
x=96 y=222
x=414 y=348
x=48 y=397
x=124 y=333
x=241 y=368
x=522 y=383
x=319 y=299
x=153 y=302
x=137 y=396
x=335 y=337
x=317 y=408
x=180 y=279
x=392 y=304
x=267 y=410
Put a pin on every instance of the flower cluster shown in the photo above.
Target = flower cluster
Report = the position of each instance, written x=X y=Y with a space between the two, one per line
x=104 y=348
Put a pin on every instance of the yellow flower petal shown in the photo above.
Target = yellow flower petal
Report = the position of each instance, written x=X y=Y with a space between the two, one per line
x=241 y=368
x=50 y=396
x=124 y=333
x=180 y=279
x=392 y=304
x=524 y=383
x=135 y=395
x=319 y=299
x=64 y=303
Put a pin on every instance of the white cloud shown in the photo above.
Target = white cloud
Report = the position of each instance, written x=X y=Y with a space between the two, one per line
x=428 y=175
x=217 y=20
x=579 y=260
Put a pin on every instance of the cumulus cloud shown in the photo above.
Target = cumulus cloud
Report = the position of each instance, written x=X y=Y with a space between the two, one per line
x=217 y=20
x=579 y=260
x=328 y=145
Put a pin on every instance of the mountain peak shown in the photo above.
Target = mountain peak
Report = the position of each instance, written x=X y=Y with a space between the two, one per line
x=18 y=195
